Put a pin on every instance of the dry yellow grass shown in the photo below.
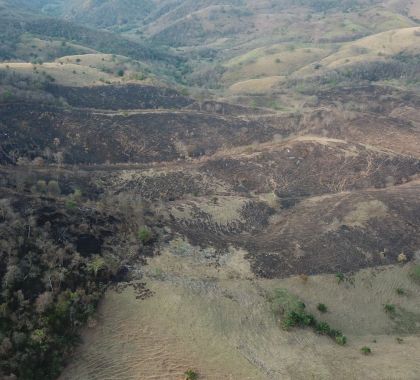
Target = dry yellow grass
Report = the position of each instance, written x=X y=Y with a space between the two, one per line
x=255 y=86
x=83 y=69
x=66 y=74
x=371 y=48
x=218 y=321
x=38 y=48
x=364 y=212
x=257 y=71
x=273 y=61
x=222 y=209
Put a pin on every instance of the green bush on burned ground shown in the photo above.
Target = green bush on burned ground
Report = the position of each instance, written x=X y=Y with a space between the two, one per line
x=74 y=199
x=41 y=186
x=53 y=188
x=145 y=235
x=293 y=314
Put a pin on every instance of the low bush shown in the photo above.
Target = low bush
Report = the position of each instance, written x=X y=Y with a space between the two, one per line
x=323 y=328
x=340 y=277
x=71 y=204
x=41 y=186
x=400 y=291
x=145 y=235
x=53 y=188
x=365 y=350
x=341 y=340
x=191 y=375
x=322 y=308
x=389 y=308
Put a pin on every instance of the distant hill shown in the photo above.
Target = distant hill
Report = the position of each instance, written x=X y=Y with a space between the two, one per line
x=16 y=21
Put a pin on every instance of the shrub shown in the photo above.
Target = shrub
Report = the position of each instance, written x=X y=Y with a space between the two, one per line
x=322 y=308
x=71 y=204
x=96 y=264
x=296 y=318
x=389 y=308
x=341 y=340
x=366 y=350
x=323 y=328
x=120 y=72
x=340 y=277
x=282 y=302
x=335 y=333
x=41 y=186
x=54 y=188
x=400 y=291
x=145 y=235
x=77 y=195
x=190 y=374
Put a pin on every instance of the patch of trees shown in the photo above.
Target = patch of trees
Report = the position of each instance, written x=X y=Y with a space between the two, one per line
x=208 y=76
x=10 y=37
x=21 y=87
x=56 y=259
x=401 y=67
x=293 y=314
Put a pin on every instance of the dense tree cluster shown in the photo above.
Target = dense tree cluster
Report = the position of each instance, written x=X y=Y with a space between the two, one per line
x=57 y=256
